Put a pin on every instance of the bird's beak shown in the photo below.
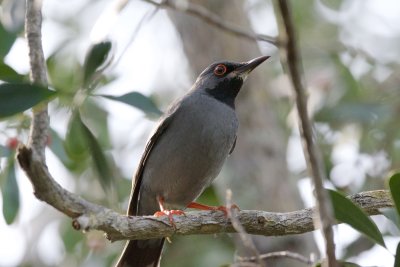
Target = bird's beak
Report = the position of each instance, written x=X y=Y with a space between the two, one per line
x=246 y=67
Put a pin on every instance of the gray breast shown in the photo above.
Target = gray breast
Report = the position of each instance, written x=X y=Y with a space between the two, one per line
x=189 y=154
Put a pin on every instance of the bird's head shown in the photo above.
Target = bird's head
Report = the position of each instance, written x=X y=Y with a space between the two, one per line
x=223 y=80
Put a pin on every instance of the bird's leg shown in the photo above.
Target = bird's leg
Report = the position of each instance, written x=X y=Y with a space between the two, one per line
x=165 y=212
x=224 y=209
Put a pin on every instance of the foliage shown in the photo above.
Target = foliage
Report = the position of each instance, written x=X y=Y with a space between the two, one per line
x=17 y=97
x=10 y=191
x=394 y=184
x=347 y=212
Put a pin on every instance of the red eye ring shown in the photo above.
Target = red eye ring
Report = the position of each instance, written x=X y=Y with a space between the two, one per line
x=220 y=70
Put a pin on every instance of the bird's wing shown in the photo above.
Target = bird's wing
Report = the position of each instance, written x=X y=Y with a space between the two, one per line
x=233 y=146
x=162 y=126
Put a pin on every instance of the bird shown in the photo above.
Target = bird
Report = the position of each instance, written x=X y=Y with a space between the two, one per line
x=186 y=152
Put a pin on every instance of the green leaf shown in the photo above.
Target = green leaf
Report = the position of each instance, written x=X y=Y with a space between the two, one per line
x=10 y=192
x=95 y=57
x=56 y=145
x=100 y=162
x=394 y=185
x=75 y=141
x=96 y=117
x=138 y=100
x=397 y=257
x=64 y=75
x=8 y=74
x=346 y=211
x=18 y=97
x=7 y=41
x=81 y=142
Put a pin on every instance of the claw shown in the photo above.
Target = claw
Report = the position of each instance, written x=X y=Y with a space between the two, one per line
x=169 y=213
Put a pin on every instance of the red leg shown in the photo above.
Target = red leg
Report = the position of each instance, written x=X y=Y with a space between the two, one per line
x=224 y=209
x=165 y=212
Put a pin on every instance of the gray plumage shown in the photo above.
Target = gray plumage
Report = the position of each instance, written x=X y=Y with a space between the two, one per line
x=189 y=154
x=186 y=152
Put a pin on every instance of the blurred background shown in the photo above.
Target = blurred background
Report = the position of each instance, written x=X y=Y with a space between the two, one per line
x=351 y=55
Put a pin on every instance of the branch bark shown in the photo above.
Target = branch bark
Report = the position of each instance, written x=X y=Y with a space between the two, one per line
x=290 y=50
x=88 y=216
x=40 y=121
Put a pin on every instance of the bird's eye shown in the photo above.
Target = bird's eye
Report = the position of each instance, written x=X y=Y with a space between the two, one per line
x=220 y=70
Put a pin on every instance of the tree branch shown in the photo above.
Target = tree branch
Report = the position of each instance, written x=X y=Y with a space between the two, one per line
x=213 y=19
x=293 y=59
x=40 y=121
x=89 y=216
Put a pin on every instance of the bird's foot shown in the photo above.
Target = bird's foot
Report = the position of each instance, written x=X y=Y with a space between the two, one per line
x=166 y=212
x=224 y=209
x=170 y=214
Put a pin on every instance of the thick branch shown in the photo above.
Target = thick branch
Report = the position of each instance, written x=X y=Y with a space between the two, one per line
x=89 y=216
x=213 y=19
x=325 y=213
x=40 y=121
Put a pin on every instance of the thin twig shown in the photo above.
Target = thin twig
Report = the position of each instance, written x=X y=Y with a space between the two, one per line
x=146 y=18
x=106 y=20
x=115 y=8
x=325 y=214
x=246 y=239
x=213 y=19
x=279 y=254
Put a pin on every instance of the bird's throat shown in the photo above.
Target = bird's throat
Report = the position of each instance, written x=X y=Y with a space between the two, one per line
x=226 y=91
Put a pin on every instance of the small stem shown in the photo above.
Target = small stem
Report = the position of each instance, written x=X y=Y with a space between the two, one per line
x=244 y=237
x=214 y=20
x=280 y=254
x=324 y=209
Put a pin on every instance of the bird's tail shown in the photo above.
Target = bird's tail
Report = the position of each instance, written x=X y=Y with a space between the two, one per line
x=141 y=253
